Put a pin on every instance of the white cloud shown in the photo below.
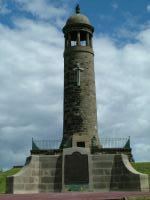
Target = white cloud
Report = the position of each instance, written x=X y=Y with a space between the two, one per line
x=144 y=38
x=148 y=7
x=122 y=77
x=31 y=79
x=31 y=84
x=142 y=151
x=45 y=10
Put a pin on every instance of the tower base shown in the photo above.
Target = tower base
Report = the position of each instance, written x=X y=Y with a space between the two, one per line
x=76 y=169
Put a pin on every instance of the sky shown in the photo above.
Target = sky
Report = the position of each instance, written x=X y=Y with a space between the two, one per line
x=31 y=72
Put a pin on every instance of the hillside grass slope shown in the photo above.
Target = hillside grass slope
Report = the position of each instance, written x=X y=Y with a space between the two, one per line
x=143 y=167
x=3 y=176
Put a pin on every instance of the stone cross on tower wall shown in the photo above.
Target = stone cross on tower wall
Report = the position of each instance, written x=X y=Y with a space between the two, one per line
x=78 y=69
x=80 y=113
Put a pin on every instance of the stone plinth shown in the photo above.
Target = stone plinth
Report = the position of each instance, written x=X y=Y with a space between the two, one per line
x=55 y=173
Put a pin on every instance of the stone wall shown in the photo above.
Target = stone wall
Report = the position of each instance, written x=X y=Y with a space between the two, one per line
x=42 y=173
x=52 y=173
x=113 y=172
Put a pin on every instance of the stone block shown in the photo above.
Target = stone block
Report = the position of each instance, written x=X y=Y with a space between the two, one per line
x=101 y=186
x=35 y=172
x=54 y=172
x=42 y=187
x=25 y=180
x=31 y=187
x=47 y=165
x=97 y=171
x=102 y=179
x=103 y=157
x=54 y=179
x=103 y=165
x=19 y=186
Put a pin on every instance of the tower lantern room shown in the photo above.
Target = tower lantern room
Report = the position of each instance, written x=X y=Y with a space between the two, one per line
x=78 y=30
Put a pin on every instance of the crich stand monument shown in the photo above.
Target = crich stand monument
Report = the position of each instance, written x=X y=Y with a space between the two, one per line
x=80 y=164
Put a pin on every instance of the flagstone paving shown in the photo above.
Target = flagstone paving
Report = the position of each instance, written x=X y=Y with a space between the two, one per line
x=75 y=196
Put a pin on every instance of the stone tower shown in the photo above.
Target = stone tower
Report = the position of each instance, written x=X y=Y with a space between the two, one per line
x=76 y=166
x=80 y=113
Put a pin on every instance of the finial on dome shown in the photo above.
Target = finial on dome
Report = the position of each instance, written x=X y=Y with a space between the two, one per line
x=77 y=9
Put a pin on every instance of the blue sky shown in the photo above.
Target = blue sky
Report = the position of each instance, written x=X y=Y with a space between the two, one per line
x=107 y=16
x=31 y=72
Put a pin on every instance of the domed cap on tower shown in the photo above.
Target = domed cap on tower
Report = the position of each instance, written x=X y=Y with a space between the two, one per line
x=78 y=18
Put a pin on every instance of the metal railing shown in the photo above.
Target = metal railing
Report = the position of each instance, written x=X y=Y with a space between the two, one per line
x=105 y=142
x=45 y=144
x=114 y=142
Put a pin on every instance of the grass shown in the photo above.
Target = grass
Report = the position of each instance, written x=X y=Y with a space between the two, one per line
x=143 y=167
x=3 y=176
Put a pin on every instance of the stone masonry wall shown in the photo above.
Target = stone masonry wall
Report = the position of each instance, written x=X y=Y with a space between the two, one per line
x=112 y=172
x=42 y=174
x=80 y=113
